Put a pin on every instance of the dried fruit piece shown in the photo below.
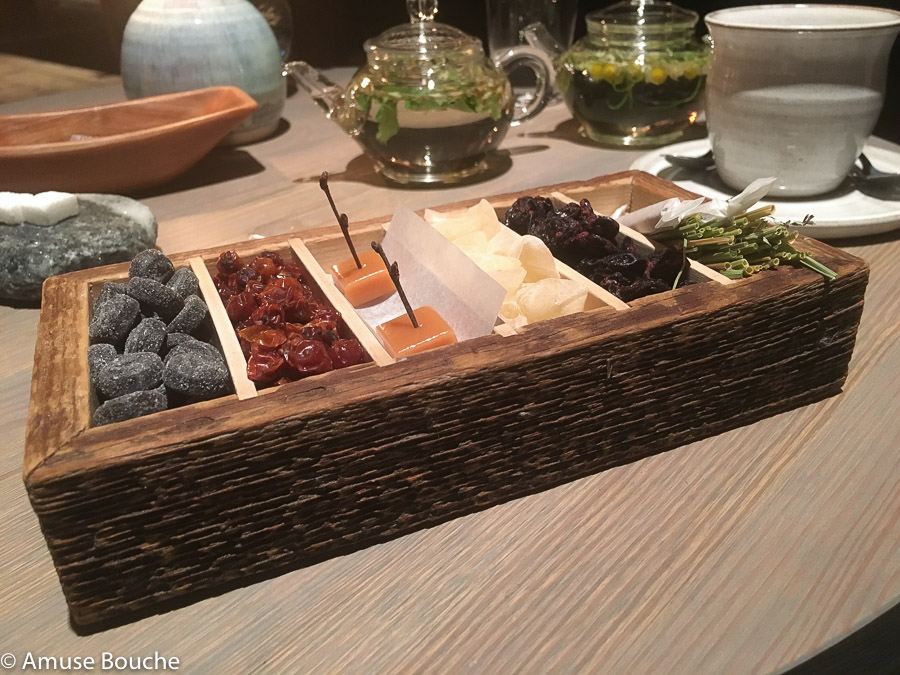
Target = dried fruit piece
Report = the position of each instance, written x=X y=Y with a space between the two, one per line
x=550 y=298
x=264 y=365
x=309 y=357
x=344 y=353
x=229 y=263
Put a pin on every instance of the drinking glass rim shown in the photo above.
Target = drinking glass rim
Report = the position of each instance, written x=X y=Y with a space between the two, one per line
x=718 y=18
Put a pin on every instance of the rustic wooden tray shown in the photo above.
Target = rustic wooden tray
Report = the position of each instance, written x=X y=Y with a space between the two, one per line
x=158 y=511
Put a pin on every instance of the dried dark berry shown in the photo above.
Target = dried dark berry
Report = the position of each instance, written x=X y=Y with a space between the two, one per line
x=643 y=287
x=148 y=336
x=184 y=282
x=151 y=264
x=114 y=319
x=128 y=406
x=190 y=317
x=525 y=210
x=155 y=297
x=666 y=264
x=129 y=373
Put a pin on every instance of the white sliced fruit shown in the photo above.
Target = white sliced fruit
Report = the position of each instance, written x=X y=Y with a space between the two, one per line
x=472 y=243
x=536 y=259
x=506 y=271
x=505 y=242
x=550 y=298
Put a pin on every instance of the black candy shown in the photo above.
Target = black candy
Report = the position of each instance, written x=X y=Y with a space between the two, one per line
x=184 y=282
x=196 y=373
x=113 y=319
x=155 y=297
x=109 y=289
x=151 y=264
x=193 y=345
x=99 y=356
x=130 y=373
x=148 y=336
x=189 y=318
x=131 y=405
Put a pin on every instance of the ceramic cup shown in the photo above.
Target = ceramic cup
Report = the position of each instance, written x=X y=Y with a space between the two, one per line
x=794 y=91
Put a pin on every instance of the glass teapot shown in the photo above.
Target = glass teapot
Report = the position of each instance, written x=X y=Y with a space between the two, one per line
x=637 y=77
x=428 y=105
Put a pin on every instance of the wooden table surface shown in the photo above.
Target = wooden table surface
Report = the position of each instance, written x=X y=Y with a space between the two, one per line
x=746 y=552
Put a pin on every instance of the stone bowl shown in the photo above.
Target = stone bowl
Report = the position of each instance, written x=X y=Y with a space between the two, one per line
x=117 y=147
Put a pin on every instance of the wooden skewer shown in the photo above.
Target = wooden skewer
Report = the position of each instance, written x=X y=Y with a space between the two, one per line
x=394 y=271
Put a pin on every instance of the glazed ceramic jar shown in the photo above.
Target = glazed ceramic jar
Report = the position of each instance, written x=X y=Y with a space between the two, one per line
x=177 y=45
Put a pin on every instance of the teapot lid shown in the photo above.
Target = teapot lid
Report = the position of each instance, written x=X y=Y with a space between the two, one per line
x=423 y=37
x=645 y=14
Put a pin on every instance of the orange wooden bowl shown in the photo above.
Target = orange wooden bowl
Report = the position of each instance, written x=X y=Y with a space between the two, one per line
x=119 y=146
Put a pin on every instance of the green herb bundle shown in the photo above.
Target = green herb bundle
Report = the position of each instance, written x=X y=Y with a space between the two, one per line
x=740 y=246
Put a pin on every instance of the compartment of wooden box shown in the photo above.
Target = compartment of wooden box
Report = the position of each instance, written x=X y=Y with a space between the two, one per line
x=173 y=506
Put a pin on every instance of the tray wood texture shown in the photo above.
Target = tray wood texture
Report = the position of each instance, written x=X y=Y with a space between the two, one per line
x=159 y=511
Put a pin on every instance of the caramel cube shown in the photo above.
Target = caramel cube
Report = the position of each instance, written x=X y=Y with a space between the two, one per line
x=401 y=338
x=362 y=285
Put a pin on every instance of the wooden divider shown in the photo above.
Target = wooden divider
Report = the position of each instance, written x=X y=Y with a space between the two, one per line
x=358 y=327
x=231 y=348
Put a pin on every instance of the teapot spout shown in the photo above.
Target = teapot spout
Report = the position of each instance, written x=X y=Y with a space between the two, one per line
x=323 y=91
x=537 y=36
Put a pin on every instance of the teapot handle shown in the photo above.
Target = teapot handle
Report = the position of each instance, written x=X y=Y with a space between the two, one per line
x=539 y=63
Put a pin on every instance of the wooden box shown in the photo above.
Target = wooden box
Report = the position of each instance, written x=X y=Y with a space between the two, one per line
x=159 y=511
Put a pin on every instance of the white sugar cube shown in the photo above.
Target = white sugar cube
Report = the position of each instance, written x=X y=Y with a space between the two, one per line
x=48 y=208
x=11 y=208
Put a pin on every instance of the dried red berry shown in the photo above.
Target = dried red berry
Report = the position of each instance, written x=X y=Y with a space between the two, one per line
x=239 y=307
x=345 y=353
x=264 y=365
x=229 y=263
x=309 y=357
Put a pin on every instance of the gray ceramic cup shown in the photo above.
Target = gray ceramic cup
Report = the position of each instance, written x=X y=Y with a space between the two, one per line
x=794 y=92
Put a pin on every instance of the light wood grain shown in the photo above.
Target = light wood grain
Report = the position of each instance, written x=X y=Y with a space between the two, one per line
x=231 y=348
x=746 y=552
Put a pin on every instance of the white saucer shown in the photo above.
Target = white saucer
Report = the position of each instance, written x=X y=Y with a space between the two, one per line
x=844 y=212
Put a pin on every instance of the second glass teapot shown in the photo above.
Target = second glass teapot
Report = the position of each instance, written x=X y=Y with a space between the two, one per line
x=428 y=105
x=637 y=77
